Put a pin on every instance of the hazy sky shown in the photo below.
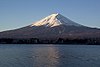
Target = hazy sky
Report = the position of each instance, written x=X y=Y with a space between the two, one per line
x=19 y=13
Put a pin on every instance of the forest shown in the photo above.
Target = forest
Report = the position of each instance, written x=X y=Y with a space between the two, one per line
x=89 y=41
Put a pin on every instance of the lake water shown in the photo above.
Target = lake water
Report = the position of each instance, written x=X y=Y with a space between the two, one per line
x=49 y=55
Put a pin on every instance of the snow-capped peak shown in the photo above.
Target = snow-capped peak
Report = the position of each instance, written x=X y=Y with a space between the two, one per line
x=55 y=20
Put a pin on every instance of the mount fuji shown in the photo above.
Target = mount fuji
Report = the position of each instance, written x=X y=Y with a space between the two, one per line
x=51 y=28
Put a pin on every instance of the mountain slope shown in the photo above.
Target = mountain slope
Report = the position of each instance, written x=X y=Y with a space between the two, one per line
x=52 y=27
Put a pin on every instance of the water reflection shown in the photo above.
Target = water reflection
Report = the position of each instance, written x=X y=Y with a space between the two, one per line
x=47 y=56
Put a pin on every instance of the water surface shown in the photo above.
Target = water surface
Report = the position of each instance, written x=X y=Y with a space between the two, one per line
x=49 y=55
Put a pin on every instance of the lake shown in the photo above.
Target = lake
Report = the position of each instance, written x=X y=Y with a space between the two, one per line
x=49 y=55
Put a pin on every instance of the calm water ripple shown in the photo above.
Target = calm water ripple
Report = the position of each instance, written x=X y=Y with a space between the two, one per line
x=49 y=55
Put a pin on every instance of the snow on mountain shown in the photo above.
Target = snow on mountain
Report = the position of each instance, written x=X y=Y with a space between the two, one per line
x=55 y=20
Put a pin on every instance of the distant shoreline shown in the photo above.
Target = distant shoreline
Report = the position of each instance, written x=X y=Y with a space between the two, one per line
x=59 y=41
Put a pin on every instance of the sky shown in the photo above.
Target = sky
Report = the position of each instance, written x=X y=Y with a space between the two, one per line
x=19 y=13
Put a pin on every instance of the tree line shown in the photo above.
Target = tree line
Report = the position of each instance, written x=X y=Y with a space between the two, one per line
x=88 y=41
